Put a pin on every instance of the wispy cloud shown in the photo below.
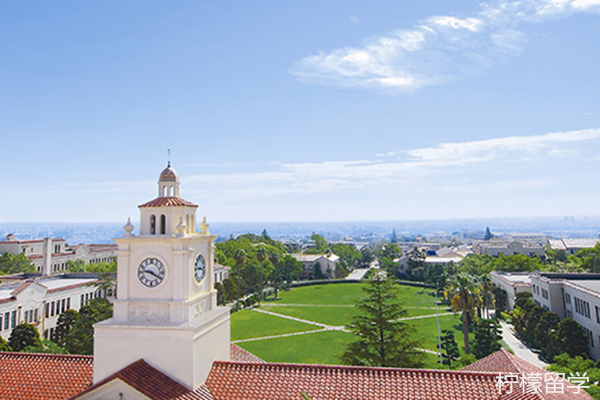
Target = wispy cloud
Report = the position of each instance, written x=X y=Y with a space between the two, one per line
x=426 y=165
x=438 y=49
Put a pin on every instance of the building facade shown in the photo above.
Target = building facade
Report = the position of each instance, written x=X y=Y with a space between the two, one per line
x=51 y=256
x=40 y=301
x=325 y=263
x=574 y=296
x=512 y=283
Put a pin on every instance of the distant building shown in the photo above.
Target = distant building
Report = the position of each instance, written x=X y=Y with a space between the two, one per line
x=496 y=247
x=512 y=283
x=574 y=296
x=51 y=256
x=40 y=301
x=572 y=246
x=326 y=263
x=221 y=272
x=537 y=238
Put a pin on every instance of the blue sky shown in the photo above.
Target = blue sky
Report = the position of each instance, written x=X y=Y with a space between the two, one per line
x=301 y=110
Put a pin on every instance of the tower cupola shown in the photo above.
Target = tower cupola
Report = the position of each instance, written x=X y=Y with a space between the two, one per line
x=168 y=182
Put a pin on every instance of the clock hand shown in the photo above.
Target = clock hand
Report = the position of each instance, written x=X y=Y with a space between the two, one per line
x=152 y=273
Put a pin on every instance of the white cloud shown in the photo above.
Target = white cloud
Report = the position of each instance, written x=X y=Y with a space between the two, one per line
x=438 y=49
x=354 y=19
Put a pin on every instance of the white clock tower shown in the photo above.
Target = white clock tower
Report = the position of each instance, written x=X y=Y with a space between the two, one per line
x=166 y=309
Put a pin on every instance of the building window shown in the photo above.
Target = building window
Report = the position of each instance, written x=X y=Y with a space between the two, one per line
x=13 y=319
x=47 y=310
x=582 y=307
x=590 y=336
x=6 y=321
x=35 y=315
x=1 y=322
x=163 y=224
x=568 y=298
x=545 y=294
x=152 y=224
x=68 y=303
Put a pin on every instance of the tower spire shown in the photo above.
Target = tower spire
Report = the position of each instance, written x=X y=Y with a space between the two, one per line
x=168 y=157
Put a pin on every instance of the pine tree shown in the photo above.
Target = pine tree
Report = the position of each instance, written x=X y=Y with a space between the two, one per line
x=450 y=350
x=488 y=234
x=24 y=335
x=487 y=337
x=381 y=339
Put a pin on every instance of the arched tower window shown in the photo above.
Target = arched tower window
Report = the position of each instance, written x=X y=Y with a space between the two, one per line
x=187 y=222
x=163 y=224
x=153 y=224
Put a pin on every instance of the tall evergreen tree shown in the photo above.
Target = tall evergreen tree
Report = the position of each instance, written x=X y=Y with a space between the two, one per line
x=450 y=352
x=487 y=338
x=24 y=335
x=65 y=323
x=381 y=339
x=488 y=234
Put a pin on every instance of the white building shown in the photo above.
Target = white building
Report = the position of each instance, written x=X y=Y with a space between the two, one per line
x=52 y=255
x=512 y=283
x=496 y=247
x=326 y=263
x=572 y=295
x=572 y=246
x=40 y=301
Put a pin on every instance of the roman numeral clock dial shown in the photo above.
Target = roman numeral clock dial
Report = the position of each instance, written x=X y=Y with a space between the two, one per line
x=151 y=272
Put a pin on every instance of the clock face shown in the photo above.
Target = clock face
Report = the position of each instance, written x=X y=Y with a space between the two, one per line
x=151 y=272
x=199 y=268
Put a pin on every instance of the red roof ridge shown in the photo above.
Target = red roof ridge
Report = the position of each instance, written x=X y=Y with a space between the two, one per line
x=168 y=201
x=357 y=368
x=47 y=355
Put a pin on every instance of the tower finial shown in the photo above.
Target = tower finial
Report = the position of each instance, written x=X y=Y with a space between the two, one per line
x=168 y=157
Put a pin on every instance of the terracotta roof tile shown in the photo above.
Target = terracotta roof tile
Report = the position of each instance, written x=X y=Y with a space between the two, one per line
x=241 y=355
x=268 y=381
x=43 y=376
x=168 y=202
x=152 y=383
x=504 y=362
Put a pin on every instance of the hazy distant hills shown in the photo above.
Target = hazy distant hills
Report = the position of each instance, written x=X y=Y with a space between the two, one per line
x=366 y=230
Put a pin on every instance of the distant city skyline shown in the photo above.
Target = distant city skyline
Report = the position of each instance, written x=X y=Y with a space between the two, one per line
x=301 y=111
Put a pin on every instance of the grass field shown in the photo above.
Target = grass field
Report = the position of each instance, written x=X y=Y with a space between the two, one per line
x=331 y=305
x=247 y=324
x=312 y=348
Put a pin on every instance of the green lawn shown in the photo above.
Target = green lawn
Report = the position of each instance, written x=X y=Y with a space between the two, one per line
x=312 y=348
x=247 y=324
x=331 y=305
x=348 y=293
x=332 y=315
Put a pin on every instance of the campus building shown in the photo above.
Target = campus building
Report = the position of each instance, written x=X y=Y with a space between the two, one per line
x=574 y=296
x=496 y=247
x=169 y=340
x=51 y=256
x=40 y=301
x=512 y=283
x=325 y=263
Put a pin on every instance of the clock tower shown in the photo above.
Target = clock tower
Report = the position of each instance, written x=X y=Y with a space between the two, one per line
x=166 y=308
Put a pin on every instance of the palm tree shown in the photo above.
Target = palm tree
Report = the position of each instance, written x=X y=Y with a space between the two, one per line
x=487 y=295
x=261 y=255
x=463 y=291
x=240 y=260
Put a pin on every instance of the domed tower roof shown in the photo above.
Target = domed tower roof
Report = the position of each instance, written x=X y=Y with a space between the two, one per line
x=168 y=175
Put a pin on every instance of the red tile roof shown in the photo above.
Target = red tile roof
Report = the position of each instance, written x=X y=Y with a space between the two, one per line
x=26 y=376
x=242 y=355
x=152 y=383
x=504 y=362
x=168 y=202
x=268 y=381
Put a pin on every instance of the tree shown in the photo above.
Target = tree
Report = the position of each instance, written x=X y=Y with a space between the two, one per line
x=488 y=234
x=570 y=338
x=284 y=272
x=4 y=345
x=47 y=347
x=394 y=238
x=80 y=339
x=590 y=258
x=462 y=290
x=65 y=323
x=381 y=339
x=486 y=295
x=321 y=245
x=11 y=264
x=450 y=352
x=542 y=333
x=24 y=335
x=487 y=338
x=240 y=260
x=500 y=300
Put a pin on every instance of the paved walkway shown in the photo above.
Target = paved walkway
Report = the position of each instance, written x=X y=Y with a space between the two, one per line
x=518 y=347
x=357 y=273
